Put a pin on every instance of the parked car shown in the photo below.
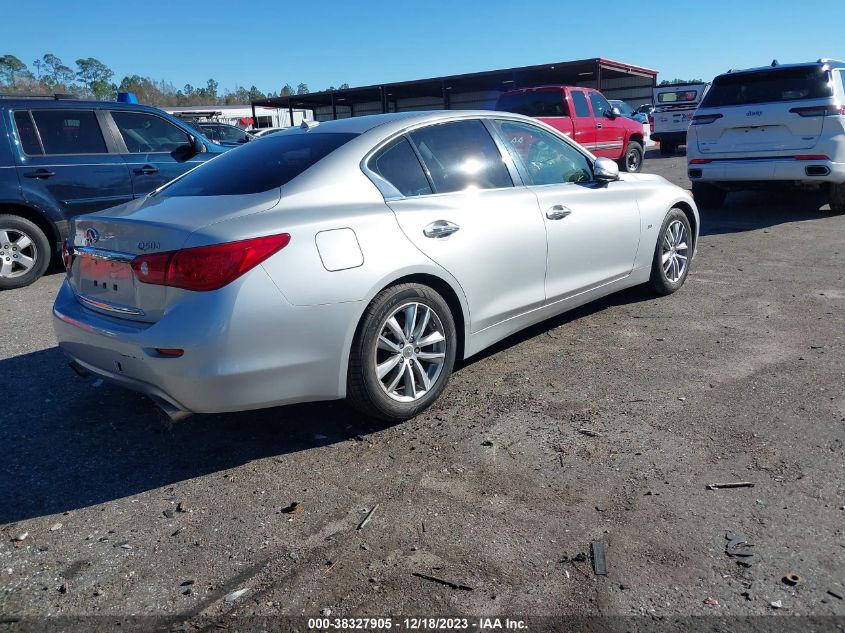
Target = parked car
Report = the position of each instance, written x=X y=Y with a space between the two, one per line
x=266 y=131
x=776 y=126
x=225 y=134
x=646 y=109
x=674 y=107
x=625 y=109
x=584 y=115
x=359 y=258
x=63 y=157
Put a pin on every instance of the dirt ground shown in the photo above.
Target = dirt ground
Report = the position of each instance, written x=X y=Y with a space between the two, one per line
x=606 y=424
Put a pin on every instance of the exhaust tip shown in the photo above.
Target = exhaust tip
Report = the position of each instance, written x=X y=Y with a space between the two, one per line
x=171 y=413
x=817 y=170
x=78 y=369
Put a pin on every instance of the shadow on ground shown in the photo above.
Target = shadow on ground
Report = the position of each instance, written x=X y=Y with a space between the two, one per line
x=81 y=442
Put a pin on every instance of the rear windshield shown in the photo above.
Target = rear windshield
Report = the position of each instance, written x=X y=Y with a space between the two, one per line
x=257 y=167
x=536 y=103
x=767 y=86
x=680 y=96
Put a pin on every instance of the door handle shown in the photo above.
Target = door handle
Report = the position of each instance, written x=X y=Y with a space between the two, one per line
x=558 y=212
x=440 y=228
x=146 y=170
x=598 y=125
x=40 y=173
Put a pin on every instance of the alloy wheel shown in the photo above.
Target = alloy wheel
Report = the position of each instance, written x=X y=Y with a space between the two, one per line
x=632 y=160
x=18 y=253
x=675 y=251
x=410 y=351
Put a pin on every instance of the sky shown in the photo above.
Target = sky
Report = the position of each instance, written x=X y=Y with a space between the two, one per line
x=360 y=42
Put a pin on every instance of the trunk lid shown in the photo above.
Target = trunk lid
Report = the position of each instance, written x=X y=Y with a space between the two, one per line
x=106 y=242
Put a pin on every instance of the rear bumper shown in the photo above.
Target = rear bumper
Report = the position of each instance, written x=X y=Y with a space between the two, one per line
x=775 y=169
x=245 y=347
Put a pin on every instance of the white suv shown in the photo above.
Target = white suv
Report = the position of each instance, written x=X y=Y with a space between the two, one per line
x=781 y=125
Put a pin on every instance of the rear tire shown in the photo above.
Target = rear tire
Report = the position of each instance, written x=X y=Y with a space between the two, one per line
x=25 y=252
x=632 y=159
x=403 y=353
x=708 y=196
x=837 y=197
x=667 y=149
x=672 y=254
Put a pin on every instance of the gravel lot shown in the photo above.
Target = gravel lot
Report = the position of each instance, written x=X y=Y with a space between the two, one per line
x=604 y=424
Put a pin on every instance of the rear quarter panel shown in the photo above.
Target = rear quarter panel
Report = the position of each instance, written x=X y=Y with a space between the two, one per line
x=10 y=187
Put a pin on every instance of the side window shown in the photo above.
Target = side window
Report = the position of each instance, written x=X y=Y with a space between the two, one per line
x=231 y=134
x=144 y=133
x=600 y=105
x=580 y=100
x=398 y=165
x=27 y=134
x=547 y=159
x=461 y=155
x=69 y=132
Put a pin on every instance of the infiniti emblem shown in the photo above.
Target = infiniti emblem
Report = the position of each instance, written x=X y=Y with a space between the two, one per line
x=91 y=237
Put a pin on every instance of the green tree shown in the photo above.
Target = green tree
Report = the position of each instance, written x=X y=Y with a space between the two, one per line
x=211 y=91
x=680 y=81
x=302 y=89
x=96 y=75
x=343 y=87
x=56 y=73
x=12 y=69
x=286 y=91
x=254 y=94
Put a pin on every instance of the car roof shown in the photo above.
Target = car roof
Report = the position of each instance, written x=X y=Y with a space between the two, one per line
x=70 y=104
x=830 y=63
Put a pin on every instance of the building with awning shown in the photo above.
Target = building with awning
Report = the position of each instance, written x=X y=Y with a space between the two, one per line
x=471 y=91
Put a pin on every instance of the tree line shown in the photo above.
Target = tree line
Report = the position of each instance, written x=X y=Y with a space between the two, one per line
x=93 y=79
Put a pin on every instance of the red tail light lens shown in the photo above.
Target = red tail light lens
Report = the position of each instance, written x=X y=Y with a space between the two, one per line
x=700 y=161
x=825 y=110
x=704 y=119
x=206 y=267
x=67 y=255
x=812 y=157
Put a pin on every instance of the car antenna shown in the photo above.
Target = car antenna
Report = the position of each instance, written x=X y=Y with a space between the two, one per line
x=307 y=125
x=775 y=62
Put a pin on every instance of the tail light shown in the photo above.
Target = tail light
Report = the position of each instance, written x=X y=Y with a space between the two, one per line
x=206 y=267
x=824 y=110
x=704 y=119
x=811 y=157
x=700 y=161
x=651 y=122
x=68 y=255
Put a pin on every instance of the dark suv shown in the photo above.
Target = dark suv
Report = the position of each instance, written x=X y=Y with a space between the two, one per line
x=62 y=157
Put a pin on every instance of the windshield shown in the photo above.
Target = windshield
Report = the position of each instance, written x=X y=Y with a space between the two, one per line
x=537 y=103
x=770 y=85
x=257 y=167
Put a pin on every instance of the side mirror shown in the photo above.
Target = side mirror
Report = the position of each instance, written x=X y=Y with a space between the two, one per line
x=612 y=113
x=197 y=146
x=605 y=170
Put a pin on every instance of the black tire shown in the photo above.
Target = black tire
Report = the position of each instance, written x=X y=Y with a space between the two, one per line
x=667 y=149
x=38 y=249
x=659 y=281
x=708 y=196
x=364 y=390
x=837 y=197
x=632 y=159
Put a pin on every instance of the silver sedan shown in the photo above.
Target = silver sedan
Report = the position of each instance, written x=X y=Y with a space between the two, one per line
x=358 y=259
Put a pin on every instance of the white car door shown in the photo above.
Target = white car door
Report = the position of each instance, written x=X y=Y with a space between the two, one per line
x=593 y=228
x=460 y=208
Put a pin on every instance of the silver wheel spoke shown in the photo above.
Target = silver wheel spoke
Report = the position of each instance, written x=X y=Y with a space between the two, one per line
x=396 y=379
x=393 y=324
x=431 y=339
x=422 y=374
x=430 y=356
x=23 y=242
x=5 y=268
x=384 y=368
x=410 y=320
x=4 y=238
x=410 y=383
x=26 y=262
x=417 y=333
x=388 y=345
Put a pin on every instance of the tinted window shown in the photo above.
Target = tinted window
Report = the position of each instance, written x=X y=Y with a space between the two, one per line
x=461 y=155
x=144 y=133
x=257 y=167
x=681 y=96
x=624 y=108
x=27 y=134
x=766 y=86
x=580 y=101
x=534 y=103
x=399 y=166
x=600 y=105
x=547 y=159
x=69 y=132
x=231 y=134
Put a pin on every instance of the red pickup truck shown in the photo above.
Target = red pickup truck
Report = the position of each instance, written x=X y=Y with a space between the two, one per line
x=584 y=115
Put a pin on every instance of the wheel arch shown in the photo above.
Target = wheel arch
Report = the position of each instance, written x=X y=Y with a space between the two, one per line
x=692 y=218
x=35 y=216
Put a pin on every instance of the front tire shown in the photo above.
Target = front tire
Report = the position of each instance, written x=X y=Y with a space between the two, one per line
x=672 y=254
x=632 y=159
x=24 y=252
x=403 y=353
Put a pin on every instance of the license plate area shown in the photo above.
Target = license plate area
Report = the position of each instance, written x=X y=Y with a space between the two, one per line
x=106 y=281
